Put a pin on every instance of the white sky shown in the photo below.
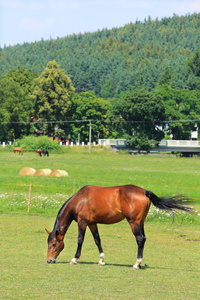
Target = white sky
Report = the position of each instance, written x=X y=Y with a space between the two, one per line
x=30 y=20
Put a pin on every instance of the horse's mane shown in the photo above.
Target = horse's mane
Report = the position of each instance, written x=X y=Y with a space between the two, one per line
x=63 y=207
x=57 y=224
x=56 y=228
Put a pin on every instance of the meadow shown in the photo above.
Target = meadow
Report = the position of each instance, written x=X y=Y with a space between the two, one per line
x=170 y=268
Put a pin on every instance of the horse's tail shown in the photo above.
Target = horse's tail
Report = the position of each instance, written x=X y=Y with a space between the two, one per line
x=170 y=204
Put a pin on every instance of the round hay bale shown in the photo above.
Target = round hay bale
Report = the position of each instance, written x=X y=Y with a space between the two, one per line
x=27 y=171
x=42 y=172
x=59 y=173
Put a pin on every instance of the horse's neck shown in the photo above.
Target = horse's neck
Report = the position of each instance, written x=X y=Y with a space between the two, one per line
x=65 y=219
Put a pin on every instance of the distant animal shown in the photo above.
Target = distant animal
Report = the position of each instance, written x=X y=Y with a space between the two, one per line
x=45 y=152
x=107 y=205
x=39 y=152
x=17 y=149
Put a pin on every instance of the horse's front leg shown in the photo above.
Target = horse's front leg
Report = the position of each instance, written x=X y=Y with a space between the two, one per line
x=95 y=233
x=81 y=234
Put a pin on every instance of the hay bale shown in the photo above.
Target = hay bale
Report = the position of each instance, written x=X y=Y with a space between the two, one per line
x=59 y=173
x=27 y=171
x=42 y=172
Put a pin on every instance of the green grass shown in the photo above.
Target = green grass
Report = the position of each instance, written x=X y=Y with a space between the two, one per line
x=171 y=255
x=165 y=176
x=171 y=251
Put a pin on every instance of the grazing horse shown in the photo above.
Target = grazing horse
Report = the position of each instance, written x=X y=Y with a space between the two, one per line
x=17 y=149
x=45 y=152
x=107 y=205
x=39 y=152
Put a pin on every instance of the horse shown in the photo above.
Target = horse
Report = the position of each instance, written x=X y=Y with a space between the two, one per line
x=107 y=205
x=39 y=152
x=45 y=152
x=17 y=149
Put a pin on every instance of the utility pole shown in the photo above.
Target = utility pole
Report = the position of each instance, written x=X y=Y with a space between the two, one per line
x=90 y=132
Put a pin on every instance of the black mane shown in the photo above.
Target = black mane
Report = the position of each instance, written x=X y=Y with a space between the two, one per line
x=62 y=208
x=57 y=224
x=56 y=228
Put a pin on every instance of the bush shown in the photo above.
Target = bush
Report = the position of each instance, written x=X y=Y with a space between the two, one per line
x=31 y=143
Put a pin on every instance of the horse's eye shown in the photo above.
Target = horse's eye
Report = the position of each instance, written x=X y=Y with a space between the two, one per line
x=54 y=245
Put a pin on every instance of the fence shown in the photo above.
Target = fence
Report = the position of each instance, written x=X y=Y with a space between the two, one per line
x=178 y=146
x=118 y=143
x=164 y=145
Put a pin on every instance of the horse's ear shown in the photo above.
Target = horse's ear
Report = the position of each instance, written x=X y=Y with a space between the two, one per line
x=59 y=236
x=49 y=232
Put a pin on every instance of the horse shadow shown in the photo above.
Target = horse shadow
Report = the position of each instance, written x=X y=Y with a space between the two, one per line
x=144 y=267
x=107 y=264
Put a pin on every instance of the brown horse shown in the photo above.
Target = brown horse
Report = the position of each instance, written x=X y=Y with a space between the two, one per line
x=107 y=205
x=39 y=152
x=17 y=149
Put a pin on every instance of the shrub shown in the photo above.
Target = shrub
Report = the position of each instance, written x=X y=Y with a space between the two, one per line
x=31 y=143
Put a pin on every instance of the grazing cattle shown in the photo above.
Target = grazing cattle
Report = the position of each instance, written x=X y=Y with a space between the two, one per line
x=107 y=205
x=17 y=149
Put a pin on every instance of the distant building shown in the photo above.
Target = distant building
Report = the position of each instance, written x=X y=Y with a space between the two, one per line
x=194 y=134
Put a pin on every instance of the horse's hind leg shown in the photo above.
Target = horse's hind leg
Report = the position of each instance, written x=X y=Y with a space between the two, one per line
x=138 y=231
x=95 y=233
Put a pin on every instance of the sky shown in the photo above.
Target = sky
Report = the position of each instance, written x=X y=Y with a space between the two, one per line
x=32 y=20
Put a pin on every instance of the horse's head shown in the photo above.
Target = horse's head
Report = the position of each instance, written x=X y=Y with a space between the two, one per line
x=55 y=245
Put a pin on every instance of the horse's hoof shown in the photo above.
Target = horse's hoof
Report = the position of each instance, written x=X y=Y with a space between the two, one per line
x=73 y=261
x=101 y=264
x=136 y=267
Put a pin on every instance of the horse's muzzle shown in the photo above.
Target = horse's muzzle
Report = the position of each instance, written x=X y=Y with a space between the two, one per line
x=51 y=261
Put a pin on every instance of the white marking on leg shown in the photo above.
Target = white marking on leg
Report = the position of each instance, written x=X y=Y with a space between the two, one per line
x=73 y=261
x=101 y=261
x=137 y=264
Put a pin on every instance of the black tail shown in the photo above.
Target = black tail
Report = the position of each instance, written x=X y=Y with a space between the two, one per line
x=172 y=203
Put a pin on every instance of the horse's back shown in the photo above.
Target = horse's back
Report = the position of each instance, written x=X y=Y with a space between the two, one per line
x=18 y=149
x=108 y=204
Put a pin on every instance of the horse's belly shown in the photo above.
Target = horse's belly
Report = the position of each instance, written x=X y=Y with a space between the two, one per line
x=109 y=218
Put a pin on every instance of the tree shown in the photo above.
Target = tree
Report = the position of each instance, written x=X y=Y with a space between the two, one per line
x=180 y=105
x=53 y=93
x=89 y=107
x=23 y=77
x=193 y=66
x=16 y=104
x=107 y=89
x=194 y=63
x=142 y=111
x=165 y=77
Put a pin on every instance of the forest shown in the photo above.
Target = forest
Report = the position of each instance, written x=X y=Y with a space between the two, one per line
x=140 y=82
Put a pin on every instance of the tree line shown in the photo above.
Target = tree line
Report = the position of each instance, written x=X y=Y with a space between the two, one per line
x=110 y=61
x=49 y=104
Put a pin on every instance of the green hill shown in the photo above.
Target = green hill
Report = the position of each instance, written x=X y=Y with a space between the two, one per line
x=108 y=62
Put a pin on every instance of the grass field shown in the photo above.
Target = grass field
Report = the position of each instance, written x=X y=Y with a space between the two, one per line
x=171 y=266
